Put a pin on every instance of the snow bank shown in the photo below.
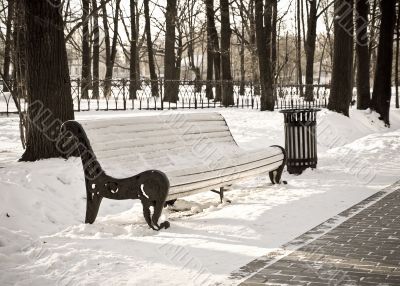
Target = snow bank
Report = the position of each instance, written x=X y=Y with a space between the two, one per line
x=43 y=240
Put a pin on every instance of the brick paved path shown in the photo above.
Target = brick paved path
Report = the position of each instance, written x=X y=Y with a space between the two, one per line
x=363 y=250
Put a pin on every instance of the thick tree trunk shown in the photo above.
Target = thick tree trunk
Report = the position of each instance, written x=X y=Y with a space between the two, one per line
x=210 y=48
x=363 y=85
x=96 y=51
x=383 y=77
x=310 y=49
x=7 y=44
x=169 y=58
x=341 y=91
x=226 y=32
x=150 y=52
x=215 y=48
x=133 y=53
x=264 y=58
x=49 y=87
x=85 y=82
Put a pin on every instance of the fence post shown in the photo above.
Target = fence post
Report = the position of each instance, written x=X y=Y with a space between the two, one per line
x=78 y=82
x=161 y=93
x=195 y=94
x=123 y=92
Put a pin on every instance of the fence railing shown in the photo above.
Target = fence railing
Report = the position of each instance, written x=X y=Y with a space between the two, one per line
x=117 y=95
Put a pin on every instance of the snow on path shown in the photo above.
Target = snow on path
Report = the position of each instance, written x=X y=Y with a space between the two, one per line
x=43 y=240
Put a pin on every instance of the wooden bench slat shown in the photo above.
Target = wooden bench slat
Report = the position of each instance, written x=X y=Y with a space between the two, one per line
x=191 y=189
x=232 y=158
x=140 y=130
x=124 y=153
x=229 y=170
x=179 y=119
x=116 y=143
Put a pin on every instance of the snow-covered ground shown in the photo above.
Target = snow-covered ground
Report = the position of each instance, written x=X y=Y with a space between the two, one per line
x=43 y=240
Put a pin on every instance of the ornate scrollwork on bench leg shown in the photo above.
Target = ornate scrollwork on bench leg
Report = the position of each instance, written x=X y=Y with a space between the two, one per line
x=151 y=187
x=276 y=175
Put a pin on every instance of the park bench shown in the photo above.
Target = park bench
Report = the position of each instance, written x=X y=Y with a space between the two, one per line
x=161 y=158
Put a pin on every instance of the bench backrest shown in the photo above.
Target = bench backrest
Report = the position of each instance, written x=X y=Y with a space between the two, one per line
x=128 y=145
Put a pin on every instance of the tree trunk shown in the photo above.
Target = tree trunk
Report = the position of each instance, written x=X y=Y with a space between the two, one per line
x=372 y=32
x=191 y=46
x=169 y=58
x=253 y=49
x=85 y=82
x=363 y=85
x=111 y=49
x=397 y=55
x=96 y=51
x=210 y=48
x=19 y=50
x=49 y=87
x=298 y=47
x=133 y=53
x=7 y=44
x=242 y=66
x=310 y=50
x=264 y=59
x=383 y=77
x=341 y=91
x=215 y=46
x=274 y=41
x=150 y=53
x=226 y=32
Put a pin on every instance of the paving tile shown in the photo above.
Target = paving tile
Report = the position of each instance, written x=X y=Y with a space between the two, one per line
x=363 y=250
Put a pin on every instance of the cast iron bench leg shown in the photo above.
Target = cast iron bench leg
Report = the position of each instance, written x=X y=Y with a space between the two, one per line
x=151 y=187
x=276 y=175
x=92 y=206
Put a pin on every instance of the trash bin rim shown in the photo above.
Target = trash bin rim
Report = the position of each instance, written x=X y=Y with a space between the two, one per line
x=299 y=110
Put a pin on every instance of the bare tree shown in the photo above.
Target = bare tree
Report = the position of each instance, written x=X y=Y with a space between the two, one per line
x=49 y=87
x=96 y=51
x=169 y=58
x=383 y=79
x=212 y=35
x=226 y=32
x=150 y=52
x=264 y=57
x=111 y=48
x=341 y=90
x=7 y=43
x=363 y=63
x=397 y=54
x=133 y=53
x=298 y=46
x=85 y=82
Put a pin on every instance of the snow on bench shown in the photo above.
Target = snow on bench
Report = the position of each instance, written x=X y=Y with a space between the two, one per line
x=192 y=153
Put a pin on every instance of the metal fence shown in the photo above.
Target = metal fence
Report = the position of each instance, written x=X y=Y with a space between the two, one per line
x=191 y=95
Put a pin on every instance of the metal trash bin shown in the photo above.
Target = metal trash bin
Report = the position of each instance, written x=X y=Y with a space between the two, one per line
x=300 y=139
